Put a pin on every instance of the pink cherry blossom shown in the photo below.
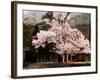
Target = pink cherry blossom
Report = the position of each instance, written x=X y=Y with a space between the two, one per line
x=59 y=15
x=67 y=40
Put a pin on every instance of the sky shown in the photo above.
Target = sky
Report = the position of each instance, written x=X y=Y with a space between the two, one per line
x=33 y=17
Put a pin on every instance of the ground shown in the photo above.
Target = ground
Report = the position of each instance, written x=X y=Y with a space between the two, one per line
x=56 y=64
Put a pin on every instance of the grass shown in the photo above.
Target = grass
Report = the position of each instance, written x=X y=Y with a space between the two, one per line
x=56 y=64
x=86 y=62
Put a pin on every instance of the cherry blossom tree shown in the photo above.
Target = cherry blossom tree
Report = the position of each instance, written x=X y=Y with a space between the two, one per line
x=67 y=40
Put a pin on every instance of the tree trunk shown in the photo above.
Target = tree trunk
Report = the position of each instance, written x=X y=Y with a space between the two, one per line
x=63 y=58
x=67 y=57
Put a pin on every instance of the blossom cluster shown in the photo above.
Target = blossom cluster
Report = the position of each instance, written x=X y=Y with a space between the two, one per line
x=66 y=39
